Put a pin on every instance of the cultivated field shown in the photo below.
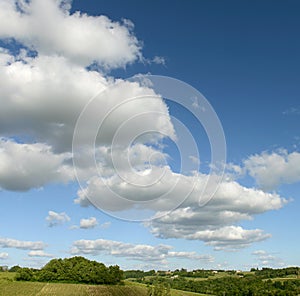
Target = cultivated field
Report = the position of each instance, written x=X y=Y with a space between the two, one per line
x=9 y=287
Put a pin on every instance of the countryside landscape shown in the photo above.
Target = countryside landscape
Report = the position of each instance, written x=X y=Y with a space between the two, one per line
x=149 y=147
x=80 y=276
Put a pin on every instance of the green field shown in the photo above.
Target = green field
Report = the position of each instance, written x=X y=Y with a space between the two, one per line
x=41 y=289
x=9 y=287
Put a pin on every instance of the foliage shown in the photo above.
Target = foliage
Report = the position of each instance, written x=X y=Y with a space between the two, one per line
x=258 y=282
x=262 y=282
x=238 y=286
x=75 y=269
x=159 y=289
x=138 y=274
x=25 y=274
x=15 y=268
x=267 y=273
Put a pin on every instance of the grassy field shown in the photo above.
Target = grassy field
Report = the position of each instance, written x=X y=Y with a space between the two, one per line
x=9 y=287
x=173 y=292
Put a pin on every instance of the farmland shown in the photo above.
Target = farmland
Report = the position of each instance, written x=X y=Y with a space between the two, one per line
x=10 y=287
x=267 y=281
x=40 y=289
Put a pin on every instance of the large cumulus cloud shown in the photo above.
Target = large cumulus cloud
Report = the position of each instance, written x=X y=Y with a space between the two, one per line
x=48 y=27
x=48 y=83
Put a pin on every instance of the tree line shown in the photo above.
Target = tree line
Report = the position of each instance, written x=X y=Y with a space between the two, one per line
x=266 y=272
x=257 y=283
x=72 y=270
x=234 y=286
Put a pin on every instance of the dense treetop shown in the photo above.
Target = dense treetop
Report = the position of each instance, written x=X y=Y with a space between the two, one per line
x=75 y=269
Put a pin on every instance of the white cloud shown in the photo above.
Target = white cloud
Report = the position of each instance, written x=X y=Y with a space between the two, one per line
x=42 y=97
x=136 y=158
x=3 y=256
x=120 y=249
x=259 y=252
x=272 y=169
x=266 y=259
x=88 y=223
x=81 y=38
x=168 y=190
x=191 y=255
x=159 y=60
x=105 y=225
x=32 y=110
x=215 y=222
x=55 y=219
x=26 y=166
x=139 y=252
x=39 y=253
x=24 y=245
x=5 y=57
x=146 y=187
x=234 y=171
x=230 y=238
x=124 y=114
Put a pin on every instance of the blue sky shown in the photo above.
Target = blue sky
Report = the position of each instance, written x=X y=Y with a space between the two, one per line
x=242 y=56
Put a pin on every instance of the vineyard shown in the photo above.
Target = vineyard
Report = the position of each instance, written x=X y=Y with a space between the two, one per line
x=10 y=287
x=43 y=289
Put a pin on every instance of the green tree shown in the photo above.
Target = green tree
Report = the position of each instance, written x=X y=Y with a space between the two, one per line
x=15 y=268
x=76 y=269
x=25 y=274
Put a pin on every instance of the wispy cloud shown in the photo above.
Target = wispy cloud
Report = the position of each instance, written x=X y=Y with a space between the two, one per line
x=3 y=256
x=140 y=252
x=39 y=253
x=90 y=223
x=55 y=219
x=292 y=111
x=105 y=225
x=266 y=259
x=159 y=60
x=19 y=244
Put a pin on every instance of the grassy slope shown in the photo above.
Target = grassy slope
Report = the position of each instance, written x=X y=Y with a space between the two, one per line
x=9 y=287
